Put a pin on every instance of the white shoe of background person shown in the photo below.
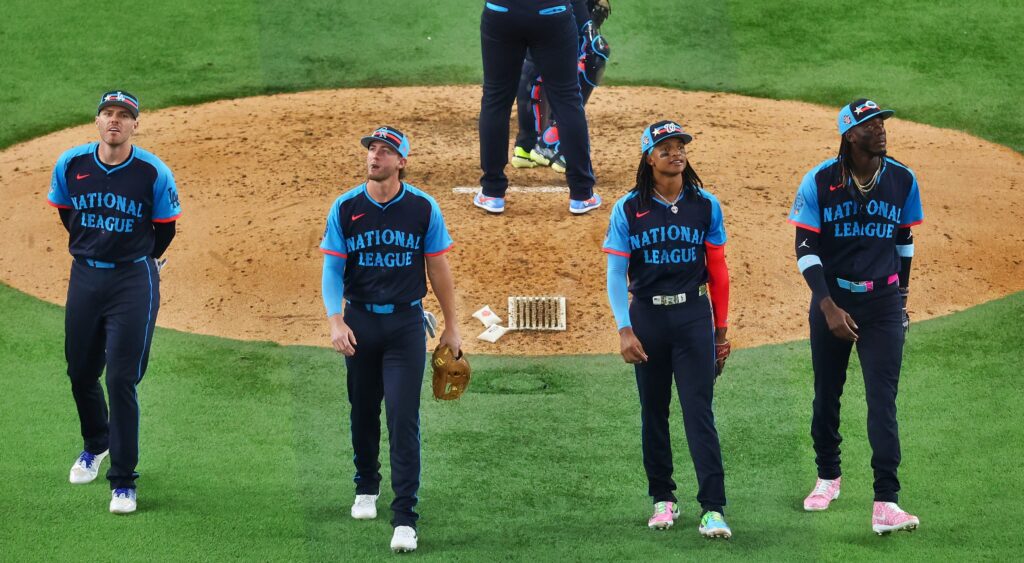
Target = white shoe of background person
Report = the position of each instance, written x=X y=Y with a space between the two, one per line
x=123 y=501
x=86 y=467
x=365 y=507
x=404 y=539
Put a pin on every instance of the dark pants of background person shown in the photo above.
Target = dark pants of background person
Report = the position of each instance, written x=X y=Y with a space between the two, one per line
x=388 y=366
x=552 y=39
x=879 y=319
x=680 y=346
x=109 y=321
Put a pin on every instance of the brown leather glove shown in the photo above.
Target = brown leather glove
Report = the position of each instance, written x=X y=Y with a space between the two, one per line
x=722 y=352
x=451 y=374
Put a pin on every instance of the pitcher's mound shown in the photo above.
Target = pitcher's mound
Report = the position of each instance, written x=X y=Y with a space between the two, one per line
x=257 y=176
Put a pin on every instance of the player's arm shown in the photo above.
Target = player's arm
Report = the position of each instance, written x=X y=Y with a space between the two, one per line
x=163 y=234
x=808 y=261
x=905 y=248
x=616 y=246
x=333 y=287
x=718 y=287
x=65 y=217
x=440 y=275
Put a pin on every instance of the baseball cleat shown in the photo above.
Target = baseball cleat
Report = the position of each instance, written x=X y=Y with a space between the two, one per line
x=581 y=207
x=404 y=539
x=365 y=507
x=123 y=501
x=489 y=204
x=558 y=164
x=712 y=525
x=86 y=467
x=825 y=491
x=521 y=158
x=665 y=514
x=543 y=155
x=889 y=517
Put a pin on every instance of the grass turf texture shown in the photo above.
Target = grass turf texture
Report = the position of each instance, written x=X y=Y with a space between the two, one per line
x=245 y=454
x=936 y=62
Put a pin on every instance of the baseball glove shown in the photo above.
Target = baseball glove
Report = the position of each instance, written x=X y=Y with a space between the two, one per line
x=451 y=374
x=722 y=352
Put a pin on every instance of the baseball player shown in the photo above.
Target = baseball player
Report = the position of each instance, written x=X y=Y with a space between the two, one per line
x=667 y=235
x=853 y=215
x=549 y=30
x=382 y=237
x=119 y=205
x=537 y=141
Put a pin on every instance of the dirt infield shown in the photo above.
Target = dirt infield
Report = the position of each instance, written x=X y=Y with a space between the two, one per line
x=257 y=176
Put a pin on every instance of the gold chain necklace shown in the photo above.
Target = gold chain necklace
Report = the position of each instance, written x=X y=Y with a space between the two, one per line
x=870 y=185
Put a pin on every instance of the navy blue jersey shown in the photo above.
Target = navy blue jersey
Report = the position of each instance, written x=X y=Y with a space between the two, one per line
x=665 y=250
x=384 y=245
x=857 y=236
x=113 y=208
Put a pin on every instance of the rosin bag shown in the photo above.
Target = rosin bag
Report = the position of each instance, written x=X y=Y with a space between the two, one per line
x=487 y=316
x=493 y=333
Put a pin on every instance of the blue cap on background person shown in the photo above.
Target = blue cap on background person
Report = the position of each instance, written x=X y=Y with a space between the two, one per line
x=658 y=132
x=119 y=98
x=859 y=111
x=391 y=136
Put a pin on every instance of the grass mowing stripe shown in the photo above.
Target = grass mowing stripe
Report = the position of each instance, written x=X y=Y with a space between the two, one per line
x=246 y=453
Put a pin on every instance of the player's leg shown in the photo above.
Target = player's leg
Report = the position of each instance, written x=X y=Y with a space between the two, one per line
x=693 y=361
x=654 y=383
x=131 y=312
x=554 y=45
x=830 y=357
x=404 y=360
x=527 y=111
x=365 y=393
x=880 y=349
x=85 y=352
x=503 y=50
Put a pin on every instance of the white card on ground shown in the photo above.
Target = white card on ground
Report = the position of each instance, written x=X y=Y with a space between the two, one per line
x=487 y=316
x=493 y=333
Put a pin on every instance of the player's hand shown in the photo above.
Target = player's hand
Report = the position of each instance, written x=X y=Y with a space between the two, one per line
x=839 y=321
x=451 y=337
x=630 y=348
x=342 y=337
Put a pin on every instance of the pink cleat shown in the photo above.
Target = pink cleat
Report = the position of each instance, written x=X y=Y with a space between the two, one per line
x=825 y=491
x=664 y=516
x=889 y=517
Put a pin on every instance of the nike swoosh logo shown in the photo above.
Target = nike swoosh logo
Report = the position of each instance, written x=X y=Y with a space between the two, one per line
x=356 y=217
x=82 y=176
x=835 y=187
x=639 y=215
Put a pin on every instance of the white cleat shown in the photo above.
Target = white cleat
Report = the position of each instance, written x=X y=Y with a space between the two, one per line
x=86 y=467
x=122 y=501
x=365 y=507
x=404 y=539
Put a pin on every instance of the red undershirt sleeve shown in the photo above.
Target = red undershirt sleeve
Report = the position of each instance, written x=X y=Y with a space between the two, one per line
x=718 y=283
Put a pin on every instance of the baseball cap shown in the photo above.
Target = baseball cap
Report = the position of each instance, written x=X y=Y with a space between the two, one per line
x=119 y=98
x=658 y=132
x=391 y=136
x=859 y=111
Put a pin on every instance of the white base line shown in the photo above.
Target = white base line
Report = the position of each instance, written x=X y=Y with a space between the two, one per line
x=516 y=189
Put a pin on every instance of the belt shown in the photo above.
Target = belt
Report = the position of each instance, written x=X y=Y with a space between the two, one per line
x=866 y=286
x=109 y=265
x=385 y=308
x=680 y=298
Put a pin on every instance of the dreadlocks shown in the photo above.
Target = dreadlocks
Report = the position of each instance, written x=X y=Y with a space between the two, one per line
x=645 y=182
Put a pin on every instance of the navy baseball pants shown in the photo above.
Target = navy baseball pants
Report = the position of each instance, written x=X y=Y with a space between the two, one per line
x=388 y=365
x=680 y=345
x=507 y=29
x=879 y=316
x=109 y=321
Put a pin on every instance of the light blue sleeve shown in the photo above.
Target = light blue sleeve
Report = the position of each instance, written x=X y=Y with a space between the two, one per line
x=616 y=239
x=913 y=214
x=805 y=212
x=58 y=196
x=618 y=292
x=166 y=206
x=716 y=233
x=334 y=240
x=333 y=283
x=437 y=241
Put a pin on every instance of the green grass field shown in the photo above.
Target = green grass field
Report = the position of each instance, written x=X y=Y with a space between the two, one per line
x=246 y=453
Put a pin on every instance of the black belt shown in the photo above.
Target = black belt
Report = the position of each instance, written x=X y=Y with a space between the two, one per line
x=109 y=265
x=385 y=308
x=679 y=298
